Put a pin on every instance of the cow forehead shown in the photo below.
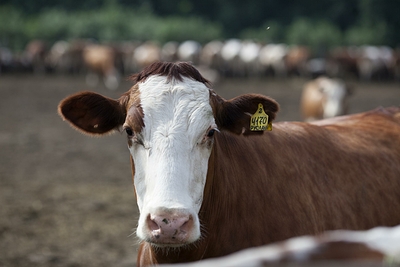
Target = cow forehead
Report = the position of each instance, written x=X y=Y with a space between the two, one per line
x=175 y=103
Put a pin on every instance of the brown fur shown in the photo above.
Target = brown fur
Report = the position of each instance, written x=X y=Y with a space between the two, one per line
x=172 y=70
x=299 y=179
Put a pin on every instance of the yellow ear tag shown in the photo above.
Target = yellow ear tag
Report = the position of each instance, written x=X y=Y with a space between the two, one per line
x=259 y=120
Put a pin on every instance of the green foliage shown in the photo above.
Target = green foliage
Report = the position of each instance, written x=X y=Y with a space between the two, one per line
x=109 y=23
x=316 y=34
x=51 y=25
x=319 y=24
x=181 y=29
x=269 y=32
x=12 y=28
x=367 y=35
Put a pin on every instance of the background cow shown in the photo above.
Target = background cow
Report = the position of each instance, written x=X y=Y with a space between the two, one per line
x=272 y=58
x=324 y=98
x=374 y=247
x=205 y=177
x=146 y=54
x=100 y=61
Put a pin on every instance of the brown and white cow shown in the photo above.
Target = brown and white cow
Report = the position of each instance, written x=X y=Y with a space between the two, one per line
x=207 y=185
x=324 y=98
x=379 y=246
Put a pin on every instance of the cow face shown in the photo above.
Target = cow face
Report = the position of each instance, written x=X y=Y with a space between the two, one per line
x=170 y=155
x=170 y=118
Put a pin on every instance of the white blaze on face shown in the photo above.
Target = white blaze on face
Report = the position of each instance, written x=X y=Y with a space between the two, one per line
x=171 y=165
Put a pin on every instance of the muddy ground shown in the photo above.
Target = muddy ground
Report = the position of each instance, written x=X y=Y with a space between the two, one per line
x=66 y=199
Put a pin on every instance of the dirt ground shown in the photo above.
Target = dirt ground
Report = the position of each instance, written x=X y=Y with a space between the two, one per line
x=66 y=199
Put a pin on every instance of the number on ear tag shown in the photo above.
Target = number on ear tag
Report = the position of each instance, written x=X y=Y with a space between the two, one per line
x=259 y=120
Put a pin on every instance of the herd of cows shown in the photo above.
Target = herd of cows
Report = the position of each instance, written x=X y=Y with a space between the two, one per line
x=232 y=57
x=214 y=176
x=322 y=98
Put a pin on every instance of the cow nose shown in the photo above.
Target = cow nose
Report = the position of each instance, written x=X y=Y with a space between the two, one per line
x=170 y=229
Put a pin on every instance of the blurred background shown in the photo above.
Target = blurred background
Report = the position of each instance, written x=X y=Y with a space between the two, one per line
x=308 y=22
x=67 y=199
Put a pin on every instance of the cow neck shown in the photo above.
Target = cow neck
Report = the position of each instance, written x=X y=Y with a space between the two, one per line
x=231 y=178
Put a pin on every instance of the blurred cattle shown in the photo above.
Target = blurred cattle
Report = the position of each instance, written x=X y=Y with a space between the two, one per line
x=34 y=56
x=296 y=60
x=75 y=53
x=189 y=51
x=248 y=55
x=316 y=67
x=232 y=65
x=58 y=59
x=272 y=59
x=146 y=54
x=374 y=62
x=125 y=52
x=342 y=62
x=6 y=60
x=67 y=57
x=169 y=51
x=211 y=55
x=324 y=98
x=100 y=61
x=231 y=58
x=379 y=246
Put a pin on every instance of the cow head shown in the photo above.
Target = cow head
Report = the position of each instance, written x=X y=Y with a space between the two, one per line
x=170 y=117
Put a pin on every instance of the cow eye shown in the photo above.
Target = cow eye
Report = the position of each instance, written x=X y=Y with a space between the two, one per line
x=129 y=131
x=211 y=132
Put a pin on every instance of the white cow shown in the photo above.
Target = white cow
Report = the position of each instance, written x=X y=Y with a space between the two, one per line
x=189 y=51
x=335 y=248
x=272 y=59
x=324 y=98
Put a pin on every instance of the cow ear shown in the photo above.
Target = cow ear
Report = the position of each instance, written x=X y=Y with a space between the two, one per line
x=92 y=113
x=234 y=115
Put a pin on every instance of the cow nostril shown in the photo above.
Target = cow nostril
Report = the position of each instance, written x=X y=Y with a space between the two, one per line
x=153 y=226
x=186 y=226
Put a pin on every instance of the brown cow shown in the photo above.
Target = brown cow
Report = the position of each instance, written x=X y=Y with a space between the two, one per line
x=209 y=181
x=100 y=60
x=324 y=98
x=296 y=60
x=34 y=56
x=342 y=62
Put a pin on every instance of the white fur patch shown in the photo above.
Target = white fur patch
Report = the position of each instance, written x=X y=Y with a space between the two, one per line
x=171 y=167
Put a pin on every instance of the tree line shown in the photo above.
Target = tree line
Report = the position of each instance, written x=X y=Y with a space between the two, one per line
x=318 y=24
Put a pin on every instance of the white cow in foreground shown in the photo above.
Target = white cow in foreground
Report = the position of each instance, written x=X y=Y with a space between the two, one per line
x=338 y=248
